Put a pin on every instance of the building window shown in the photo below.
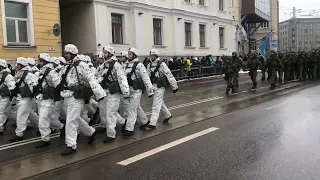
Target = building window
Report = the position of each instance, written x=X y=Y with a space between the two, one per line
x=17 y=23
x=188 y=1
x=232 y=3
x=221 y=37
x=157 y=31
x=201 y=2
x=300 y=43
x=221 y=5
x=117 y=34
x=265 y=25
x=202 y=32
x=188 y=35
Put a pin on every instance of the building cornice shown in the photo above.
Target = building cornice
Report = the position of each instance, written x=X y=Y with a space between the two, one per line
x=176 y=11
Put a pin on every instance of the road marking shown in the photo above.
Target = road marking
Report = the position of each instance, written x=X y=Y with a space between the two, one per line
x=165 y=147
x=277 y=105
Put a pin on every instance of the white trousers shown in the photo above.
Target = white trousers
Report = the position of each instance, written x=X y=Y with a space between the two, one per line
x=46 y=108
x=112 y=107
x=157 y=106
x=4 y=111
x=24 y=106
x=75 y=122
x=132 y=109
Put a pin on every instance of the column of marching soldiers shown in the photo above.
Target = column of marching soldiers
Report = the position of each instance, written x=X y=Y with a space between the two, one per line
x=280 y=67
x=70 y=87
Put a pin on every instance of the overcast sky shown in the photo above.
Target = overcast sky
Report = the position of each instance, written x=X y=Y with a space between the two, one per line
x=306 y=6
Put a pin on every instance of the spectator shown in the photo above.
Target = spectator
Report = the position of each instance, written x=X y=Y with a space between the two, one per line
x=189 y=64
x=146 y=61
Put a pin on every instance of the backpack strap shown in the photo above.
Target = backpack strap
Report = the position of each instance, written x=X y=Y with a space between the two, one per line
x=109 y=71
x=133 y=70
x=24 y=75
x=156 y=69
x=5 y=74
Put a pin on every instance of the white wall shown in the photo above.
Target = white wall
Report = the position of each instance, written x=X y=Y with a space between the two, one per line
x=138 y=29
x=78 y=27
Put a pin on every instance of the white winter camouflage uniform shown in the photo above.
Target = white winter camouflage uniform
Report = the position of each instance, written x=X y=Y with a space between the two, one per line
x=46 y=106
x=5 y=107
x=133 y=108
x=110 y=105
x=24 y=104
x=75 y=106
x=158 y=103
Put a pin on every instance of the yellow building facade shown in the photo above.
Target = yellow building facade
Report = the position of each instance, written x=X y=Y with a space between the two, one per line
x=26 y=28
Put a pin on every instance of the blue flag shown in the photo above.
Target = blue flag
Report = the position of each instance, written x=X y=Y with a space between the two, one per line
x=265 y=47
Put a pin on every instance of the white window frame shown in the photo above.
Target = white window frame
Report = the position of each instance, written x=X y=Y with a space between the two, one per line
x=30 y=25
x=162 y=30
x=224 y=37
x=221 y=5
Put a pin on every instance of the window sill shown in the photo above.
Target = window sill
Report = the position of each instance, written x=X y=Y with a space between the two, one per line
x=115 y=44
x=189 y=47
x=222 y=11
x=223 y=49
x=204 y=48
x=203 y=6
x=12 y=47
x=188 y=3
x=159 y=46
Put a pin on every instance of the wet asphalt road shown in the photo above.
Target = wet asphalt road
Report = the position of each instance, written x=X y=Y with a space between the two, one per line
x=278 y=139
x=200 y=95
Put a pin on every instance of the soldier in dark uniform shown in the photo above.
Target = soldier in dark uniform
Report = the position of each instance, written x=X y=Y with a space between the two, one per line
x=300 y=65
x=281 y=69
x=253 y=65
x=287 y=66
x=312 y=65
x=294 y=67
x=263 y=68
x=305 y=65
x=229 y=72
x=274 y=64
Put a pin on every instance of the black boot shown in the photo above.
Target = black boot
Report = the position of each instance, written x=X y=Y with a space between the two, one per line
x=16 y=139
x=108 y=139
x=143 y=127
x=272 y=87
x=127 y=133
x=1 y=133
x=92 y=138
x=123 y=128
x=38 y=133
x=43 y=144
x=150 y=127
x=68 y=151
x=63 y=132
x=165 y=121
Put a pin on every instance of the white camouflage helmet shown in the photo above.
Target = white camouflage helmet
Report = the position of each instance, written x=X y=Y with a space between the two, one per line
x=3 y=63
x=55 y=60
x=109 y=49
x=100 y=55
x=134 y=51
x=70 y=48
x=124 y=54
x=23 y=61
x=154 y=52
x=62 y=60
x=80 y=57
x=31 y=61
x=87 y=59
x=45 y=57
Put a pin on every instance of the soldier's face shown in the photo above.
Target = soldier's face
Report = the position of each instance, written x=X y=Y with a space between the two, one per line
x=153 y=57
x=123 y=58
x=67 y=56
x=100 y=60
x=131 y=56
x=19 y=67
x=41 y=62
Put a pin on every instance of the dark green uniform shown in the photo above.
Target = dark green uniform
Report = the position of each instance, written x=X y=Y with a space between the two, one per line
x=280 y=69
x=274 y=64
x=312 y=66
x=300 y=65
x=253 y=65
x=287 y=67
x=230 y=73
x=263 y=68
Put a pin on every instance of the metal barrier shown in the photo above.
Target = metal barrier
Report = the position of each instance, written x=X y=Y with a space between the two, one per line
x=197 y=72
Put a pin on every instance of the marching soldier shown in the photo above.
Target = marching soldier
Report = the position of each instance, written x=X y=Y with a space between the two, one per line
x=253 y=65
x=78 y=85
